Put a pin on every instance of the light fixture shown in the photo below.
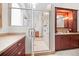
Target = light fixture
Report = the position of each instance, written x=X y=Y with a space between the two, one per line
x=70 y=18
x=66 y=18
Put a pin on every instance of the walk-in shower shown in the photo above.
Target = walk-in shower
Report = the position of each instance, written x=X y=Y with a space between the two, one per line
x=36 y=21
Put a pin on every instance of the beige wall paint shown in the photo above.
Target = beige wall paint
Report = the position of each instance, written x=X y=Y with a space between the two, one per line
x=4 y=28
x=52 y=29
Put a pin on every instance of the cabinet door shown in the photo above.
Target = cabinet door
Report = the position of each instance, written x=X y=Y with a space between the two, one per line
x=62 y=42
x=74 y=41
x=66 y=42
x=21 y=47
x=58 y=43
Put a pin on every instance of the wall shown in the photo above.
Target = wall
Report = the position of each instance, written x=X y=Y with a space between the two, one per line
x=5 y=27
x=67 y=5
x=15 y=29
x=52 y=28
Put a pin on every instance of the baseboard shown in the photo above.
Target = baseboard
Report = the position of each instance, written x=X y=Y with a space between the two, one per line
x=44 y=53
x=28 y=54
x=41 y=53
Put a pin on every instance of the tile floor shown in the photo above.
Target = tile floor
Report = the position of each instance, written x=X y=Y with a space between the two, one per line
x=72 y=52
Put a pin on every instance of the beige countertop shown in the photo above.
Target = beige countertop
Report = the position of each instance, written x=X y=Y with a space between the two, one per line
x=8 y=40
x=67 y=33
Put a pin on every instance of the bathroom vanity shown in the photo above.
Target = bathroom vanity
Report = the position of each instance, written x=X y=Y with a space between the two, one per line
x=67 y=41
x=66 y=35
x=12 y=45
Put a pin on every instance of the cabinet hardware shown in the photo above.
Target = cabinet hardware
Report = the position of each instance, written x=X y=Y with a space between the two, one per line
x=19 y=44
x=19 y=53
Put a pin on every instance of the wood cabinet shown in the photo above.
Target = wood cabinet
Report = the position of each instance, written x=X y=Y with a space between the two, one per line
x=63 y=42
x=74 y=41
x=0 y=15
x=74 y=24
x=17 y=49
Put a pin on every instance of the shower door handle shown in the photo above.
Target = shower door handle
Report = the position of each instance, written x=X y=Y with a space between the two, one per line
x=31 y=32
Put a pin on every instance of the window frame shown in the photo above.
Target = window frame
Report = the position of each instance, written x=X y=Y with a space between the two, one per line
x=16 y=25
x=10 y=11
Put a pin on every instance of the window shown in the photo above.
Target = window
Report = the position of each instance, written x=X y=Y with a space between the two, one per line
x=16 y=15
x=20 y=14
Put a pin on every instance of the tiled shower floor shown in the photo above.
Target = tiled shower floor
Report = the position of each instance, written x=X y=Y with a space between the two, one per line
x=40 y=45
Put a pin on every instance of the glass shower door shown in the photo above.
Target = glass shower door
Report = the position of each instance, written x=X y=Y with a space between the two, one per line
x=41 y=31
x=38 y=31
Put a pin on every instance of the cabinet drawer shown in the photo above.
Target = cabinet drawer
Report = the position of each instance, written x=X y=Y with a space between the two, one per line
x=21 y=51
x=62 y=37
x=9 y=50
x=21 y=43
